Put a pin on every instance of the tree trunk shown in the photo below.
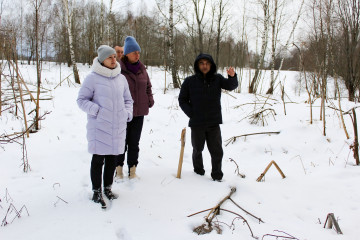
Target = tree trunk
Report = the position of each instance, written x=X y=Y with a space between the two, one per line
x=199 y=18
x=71 y=45
x=173 y=65
x=351 y=91
x=218 y=33
x=274 y=31
x=38 y=70
x=264 y=40
x=356 y=141
x=348 y=13
x=323 y=98
x=0 y=84
x=290 y=37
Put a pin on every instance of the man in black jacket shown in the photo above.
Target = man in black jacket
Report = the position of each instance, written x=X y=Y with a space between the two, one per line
x=199 y=98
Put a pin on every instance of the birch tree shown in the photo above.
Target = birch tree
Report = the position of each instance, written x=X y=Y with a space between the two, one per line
x=264 y=42
x=170 y=39
x=68 y=19
x=275 y=24
x=173 y=65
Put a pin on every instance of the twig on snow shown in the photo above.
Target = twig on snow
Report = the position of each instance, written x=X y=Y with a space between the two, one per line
x=233 y=139
x=237 y=168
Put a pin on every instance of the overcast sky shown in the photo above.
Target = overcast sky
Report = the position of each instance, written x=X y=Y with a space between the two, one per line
x=135 y=5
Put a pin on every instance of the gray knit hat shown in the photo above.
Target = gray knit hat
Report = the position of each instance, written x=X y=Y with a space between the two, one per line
x=104 y=51
x=131 y=45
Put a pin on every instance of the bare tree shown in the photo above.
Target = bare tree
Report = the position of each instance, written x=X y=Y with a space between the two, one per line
x=349 y=16
x=102 y=17
x=291 y=35
x=276 y=21
x=37 y=6
x=308 y=89
x=1 y=51
x=173 y=65
x=222 y=19
x=330 y=25
x=68 y=17
x=264 y=41
x=199 y=11
x=108 y=22
x=170 y=39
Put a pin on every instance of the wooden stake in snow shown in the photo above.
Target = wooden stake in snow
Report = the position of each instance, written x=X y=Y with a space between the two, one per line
x=183 y=134
x=267 y=168
x=331 y=221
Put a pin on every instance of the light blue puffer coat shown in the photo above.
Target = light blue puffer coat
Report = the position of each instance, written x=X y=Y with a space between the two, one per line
x=105 y=97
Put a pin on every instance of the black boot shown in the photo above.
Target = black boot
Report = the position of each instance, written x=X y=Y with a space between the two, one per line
x=109 y=194
x=97 y=198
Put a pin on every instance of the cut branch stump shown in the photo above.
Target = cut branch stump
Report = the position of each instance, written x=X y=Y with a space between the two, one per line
x=267 y=168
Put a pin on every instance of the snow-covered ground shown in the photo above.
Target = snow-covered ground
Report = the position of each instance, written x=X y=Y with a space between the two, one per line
x=320 y=174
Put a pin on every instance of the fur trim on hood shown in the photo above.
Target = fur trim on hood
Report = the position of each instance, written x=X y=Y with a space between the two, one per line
x=104 y=71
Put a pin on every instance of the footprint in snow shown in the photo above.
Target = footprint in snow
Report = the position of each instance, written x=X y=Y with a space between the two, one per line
x=122 y=234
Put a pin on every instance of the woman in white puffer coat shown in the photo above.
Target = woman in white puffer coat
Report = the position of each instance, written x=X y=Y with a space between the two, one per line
x=106 y=99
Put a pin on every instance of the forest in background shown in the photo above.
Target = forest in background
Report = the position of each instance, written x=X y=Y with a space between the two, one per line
x=258 y=34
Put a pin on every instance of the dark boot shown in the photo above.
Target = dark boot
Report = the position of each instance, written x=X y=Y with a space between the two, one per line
x=109 y=194
x=97 y=198
x=199 y=171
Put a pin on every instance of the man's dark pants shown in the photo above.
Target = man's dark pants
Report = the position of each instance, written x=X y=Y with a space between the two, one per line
x=133 y=134
x=212 y=136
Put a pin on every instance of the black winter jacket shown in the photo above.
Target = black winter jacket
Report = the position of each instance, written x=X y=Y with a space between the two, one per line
x=200 y=95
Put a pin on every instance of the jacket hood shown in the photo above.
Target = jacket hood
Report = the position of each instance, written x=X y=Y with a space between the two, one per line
x=104 y=71
x=207 y=57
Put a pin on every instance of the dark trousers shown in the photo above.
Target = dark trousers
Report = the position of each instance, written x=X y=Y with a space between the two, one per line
x=133 y=134
x=212 y=136
x=97 y=163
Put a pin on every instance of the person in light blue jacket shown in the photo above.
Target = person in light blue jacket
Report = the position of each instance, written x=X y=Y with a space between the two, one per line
x=105 y=97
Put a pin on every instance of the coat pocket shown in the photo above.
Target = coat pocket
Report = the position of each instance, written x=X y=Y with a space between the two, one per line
x=105 y=115
x=122 y=116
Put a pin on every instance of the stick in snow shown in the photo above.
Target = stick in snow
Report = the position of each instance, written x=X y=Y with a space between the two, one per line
x=183 y=134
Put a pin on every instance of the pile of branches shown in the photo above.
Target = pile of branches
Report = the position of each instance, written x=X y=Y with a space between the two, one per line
x=261 y=112
x=211 y=222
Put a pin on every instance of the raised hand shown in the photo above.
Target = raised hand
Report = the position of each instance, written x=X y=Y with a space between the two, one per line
x=230 y=71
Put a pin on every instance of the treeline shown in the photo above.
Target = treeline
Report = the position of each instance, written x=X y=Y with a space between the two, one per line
x=332 y=46
x=93 y=24
x=175 y=32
